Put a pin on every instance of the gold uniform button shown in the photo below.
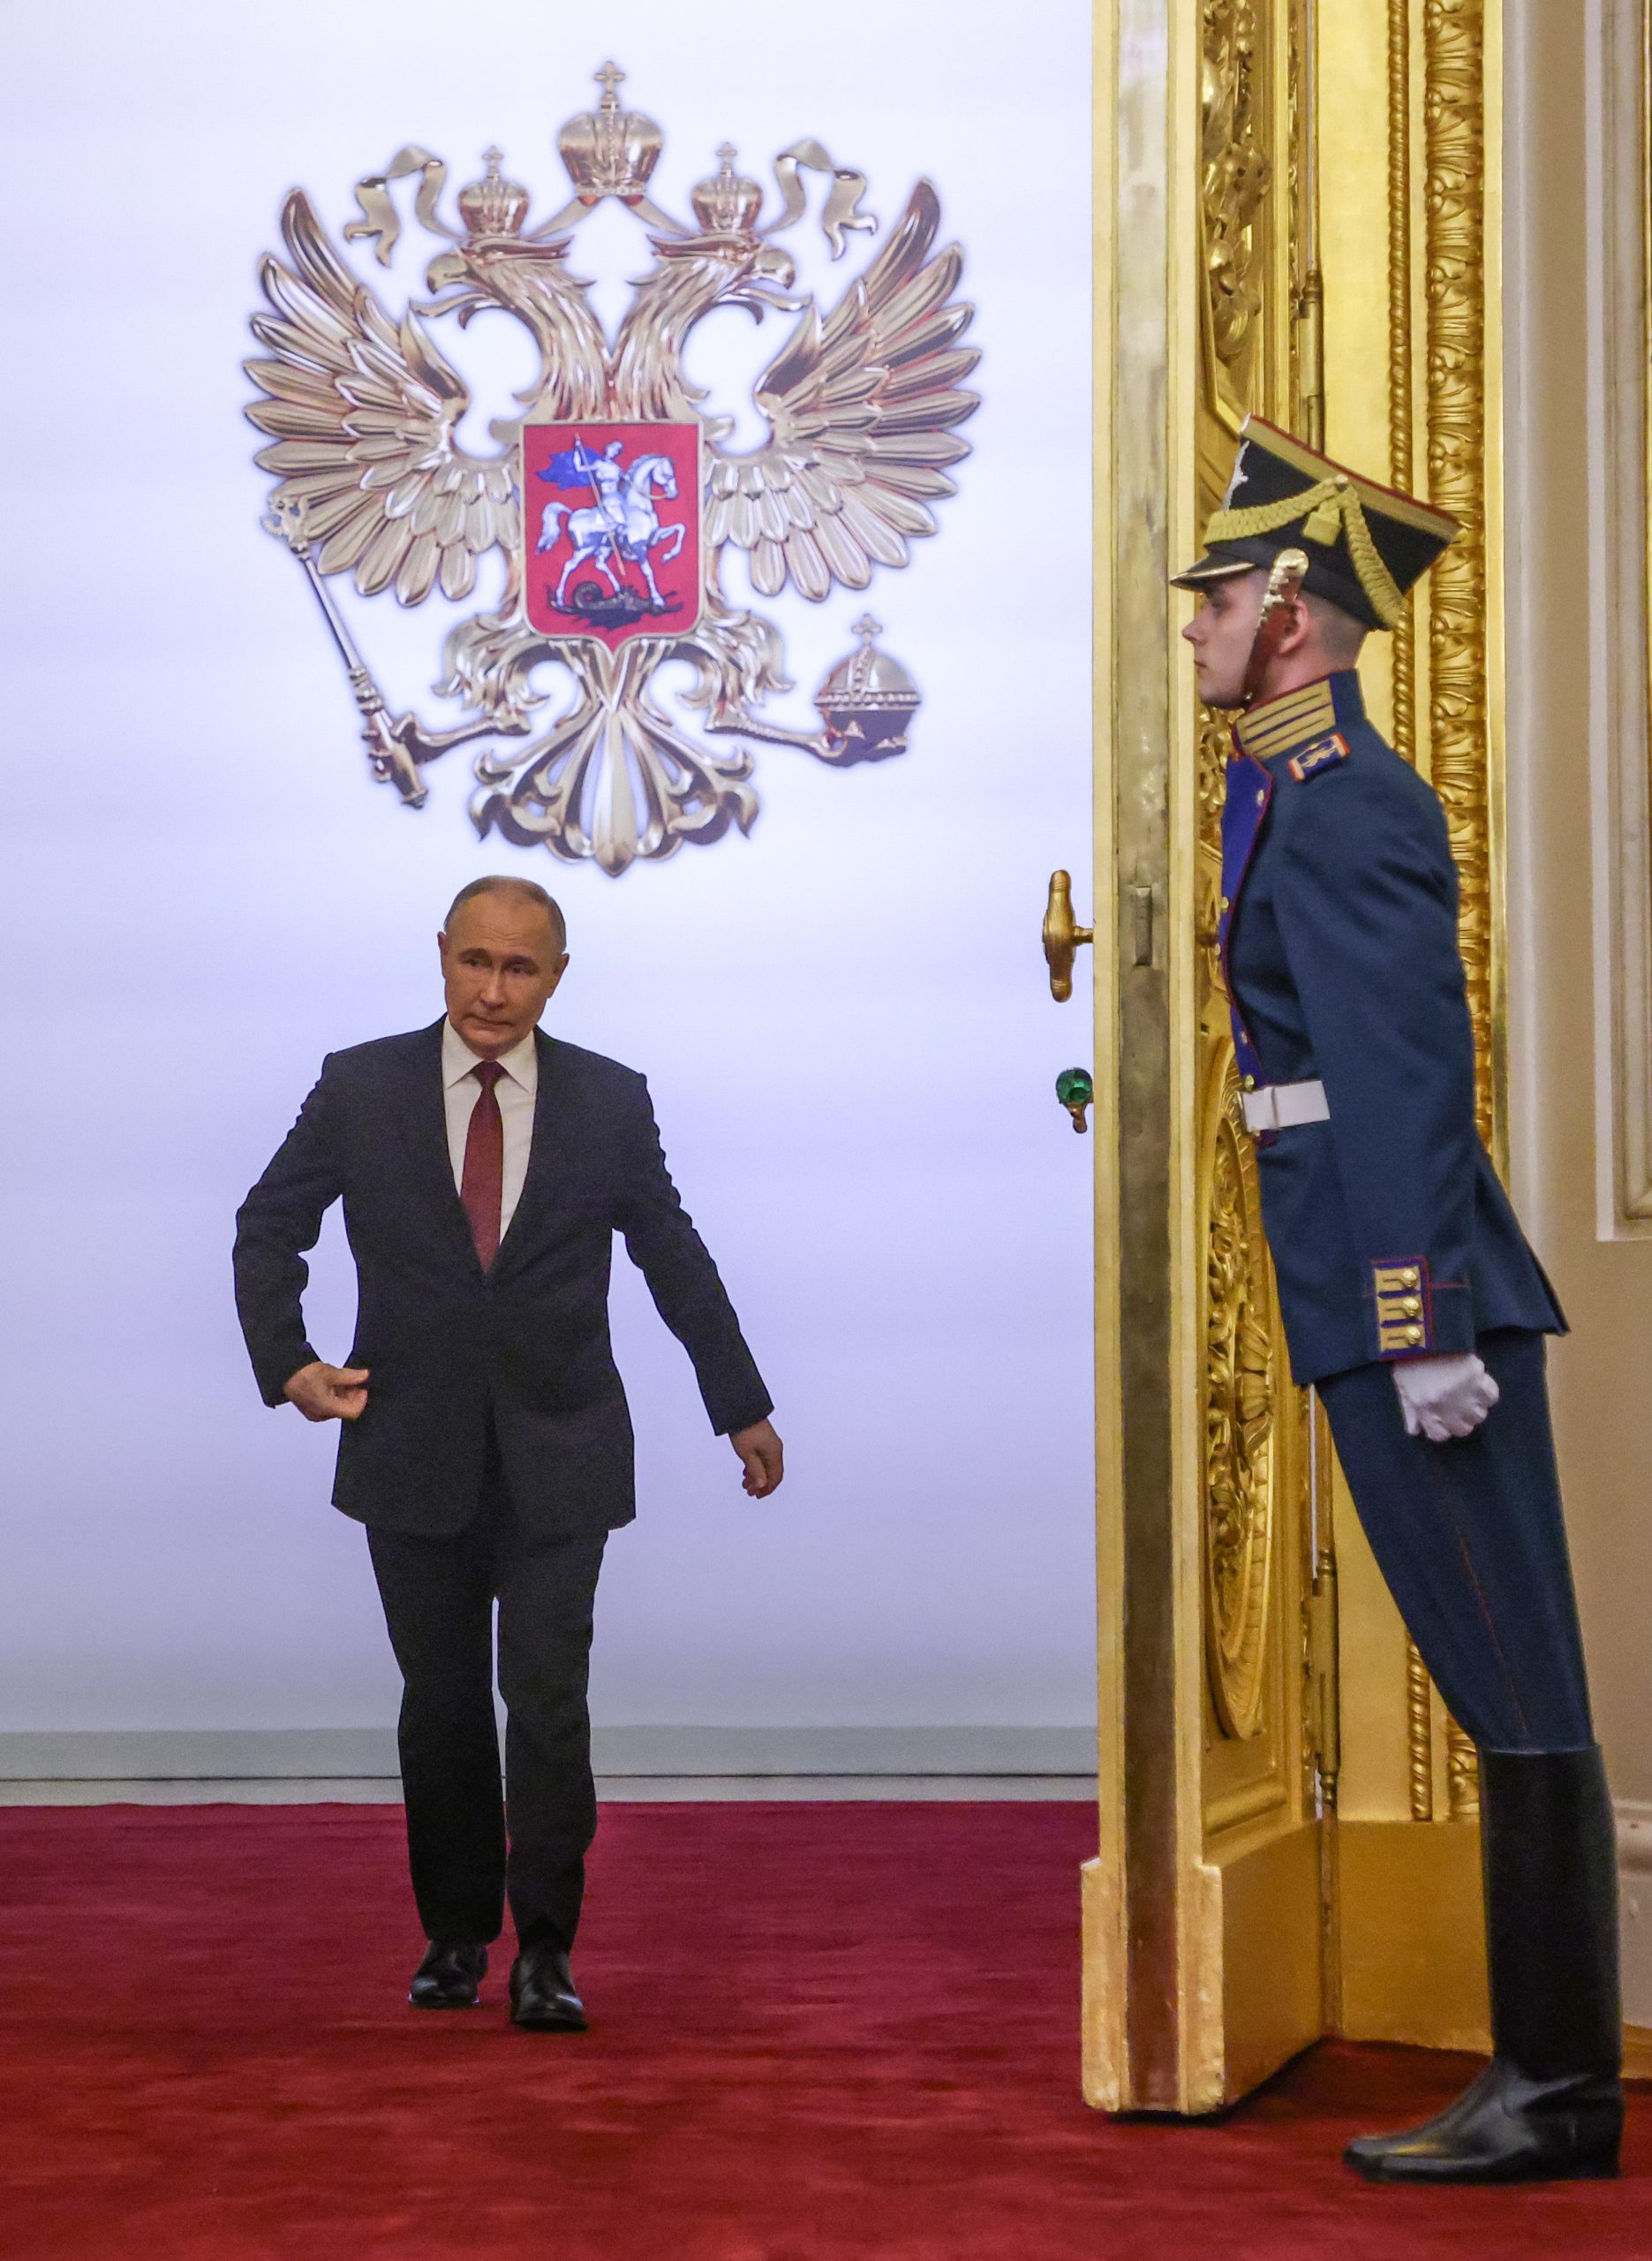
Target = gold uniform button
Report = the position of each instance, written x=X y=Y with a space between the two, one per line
x=1260 y=796
x=1227 y=905
x=1408 y=1277
x=1412 y=1307
x=1249 y=1083
x=1414 y=1334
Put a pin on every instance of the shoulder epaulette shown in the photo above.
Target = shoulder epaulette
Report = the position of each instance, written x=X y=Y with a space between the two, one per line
x=1325 y=754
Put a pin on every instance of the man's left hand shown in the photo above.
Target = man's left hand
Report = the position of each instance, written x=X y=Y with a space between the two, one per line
x=763 y=1458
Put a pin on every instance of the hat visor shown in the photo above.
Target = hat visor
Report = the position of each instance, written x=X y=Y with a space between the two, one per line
x=1213 y=567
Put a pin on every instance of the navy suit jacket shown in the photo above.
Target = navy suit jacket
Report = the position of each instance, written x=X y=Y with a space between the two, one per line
x=449 y=1346
x=1390 y=1235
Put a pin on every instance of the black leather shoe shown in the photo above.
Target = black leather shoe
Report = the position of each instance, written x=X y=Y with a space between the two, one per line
x=450 y=1976
x=1504 y=2128
x=542 y=1996
x=1548 y=2108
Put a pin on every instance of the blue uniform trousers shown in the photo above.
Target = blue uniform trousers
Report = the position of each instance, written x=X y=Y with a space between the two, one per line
x=1470 y=1538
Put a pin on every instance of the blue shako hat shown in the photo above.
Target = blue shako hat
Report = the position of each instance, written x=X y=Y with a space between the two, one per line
x=1366 y=545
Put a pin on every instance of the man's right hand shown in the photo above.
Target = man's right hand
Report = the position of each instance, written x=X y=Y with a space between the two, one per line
x=1445 y=1397
x=324 y=1392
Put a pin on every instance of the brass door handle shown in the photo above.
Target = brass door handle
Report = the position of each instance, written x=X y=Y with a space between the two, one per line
x=1062 y=937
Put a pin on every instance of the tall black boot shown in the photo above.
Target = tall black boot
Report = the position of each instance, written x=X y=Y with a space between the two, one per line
x=1550 y=2105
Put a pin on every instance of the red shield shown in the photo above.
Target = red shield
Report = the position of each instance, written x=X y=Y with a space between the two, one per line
x=611 y=529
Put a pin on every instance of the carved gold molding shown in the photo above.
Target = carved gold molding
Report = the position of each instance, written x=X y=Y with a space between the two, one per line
x=1419 y=1735
x=1240 y=1469
x=1456 y=733
x=1401 y=405
x=1237 y=174
x=1453 y=37
x=1251 y=201
x=1258 y=278
x=1462 y=1774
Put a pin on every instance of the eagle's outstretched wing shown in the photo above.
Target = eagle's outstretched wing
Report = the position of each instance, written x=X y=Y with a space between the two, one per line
x=862 y=407
x=362 y=411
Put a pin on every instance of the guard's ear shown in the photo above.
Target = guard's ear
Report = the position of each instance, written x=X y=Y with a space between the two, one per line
x=1295 y=626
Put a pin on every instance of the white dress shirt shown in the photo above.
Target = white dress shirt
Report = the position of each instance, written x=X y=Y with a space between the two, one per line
x=516 y=1091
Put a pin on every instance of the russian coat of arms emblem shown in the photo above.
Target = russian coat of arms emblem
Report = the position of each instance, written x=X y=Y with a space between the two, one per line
x=616 y=494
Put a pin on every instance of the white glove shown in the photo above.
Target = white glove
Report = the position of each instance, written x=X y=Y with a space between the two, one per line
x=1444 y=1398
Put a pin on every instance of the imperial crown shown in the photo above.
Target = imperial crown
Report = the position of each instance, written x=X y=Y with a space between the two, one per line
x=494 y=205
x=728 y=204
x=609 y=151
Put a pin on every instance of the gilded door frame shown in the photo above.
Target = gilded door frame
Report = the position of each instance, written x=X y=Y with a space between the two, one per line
x=1421 y=182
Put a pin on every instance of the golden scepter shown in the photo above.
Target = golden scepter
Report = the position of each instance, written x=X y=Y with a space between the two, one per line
x=396 y=744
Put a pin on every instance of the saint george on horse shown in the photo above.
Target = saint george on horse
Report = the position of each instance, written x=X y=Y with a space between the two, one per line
x=621 y=524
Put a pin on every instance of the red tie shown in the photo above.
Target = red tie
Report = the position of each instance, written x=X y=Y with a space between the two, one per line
x=482 y=1187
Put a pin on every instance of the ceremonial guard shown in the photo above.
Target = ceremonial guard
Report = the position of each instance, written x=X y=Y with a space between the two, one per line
x=1410 y=1297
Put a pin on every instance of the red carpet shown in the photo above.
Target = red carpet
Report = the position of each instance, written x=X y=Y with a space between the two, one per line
x=821 y=2033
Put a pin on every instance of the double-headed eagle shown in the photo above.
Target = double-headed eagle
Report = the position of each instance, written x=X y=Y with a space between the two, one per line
x=361 y=410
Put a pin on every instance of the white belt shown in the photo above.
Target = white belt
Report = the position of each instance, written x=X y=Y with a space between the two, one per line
x=1280 y=1107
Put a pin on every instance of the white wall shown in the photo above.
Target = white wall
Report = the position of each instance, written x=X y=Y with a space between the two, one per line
x=843 y=1019
x=1576 y=644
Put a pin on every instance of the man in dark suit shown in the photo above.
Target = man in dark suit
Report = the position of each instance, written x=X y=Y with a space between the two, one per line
x=484 y=1168
x=1409 y=1295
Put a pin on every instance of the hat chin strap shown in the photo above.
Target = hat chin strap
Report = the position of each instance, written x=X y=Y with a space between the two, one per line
x=1285 y=576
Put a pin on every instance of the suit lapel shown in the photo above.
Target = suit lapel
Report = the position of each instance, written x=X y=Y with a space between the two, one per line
x=422 y=1121
x=547 y=1166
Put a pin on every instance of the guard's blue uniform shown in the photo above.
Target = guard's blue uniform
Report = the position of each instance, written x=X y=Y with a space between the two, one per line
x=1390 y=1235
x=1392 y=1239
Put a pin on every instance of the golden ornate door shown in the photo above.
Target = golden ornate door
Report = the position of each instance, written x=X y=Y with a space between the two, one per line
x=1265 y=1717
x=1294 y=222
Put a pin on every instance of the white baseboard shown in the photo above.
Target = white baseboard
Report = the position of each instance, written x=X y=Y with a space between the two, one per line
x=1634 y=1884
x=276 y=1754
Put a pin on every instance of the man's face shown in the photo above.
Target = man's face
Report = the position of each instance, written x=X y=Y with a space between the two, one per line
x=500 y=963
x=1222 y=631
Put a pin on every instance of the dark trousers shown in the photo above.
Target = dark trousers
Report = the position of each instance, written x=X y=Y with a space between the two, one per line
x=437 y=1596
x=1470 y=1537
